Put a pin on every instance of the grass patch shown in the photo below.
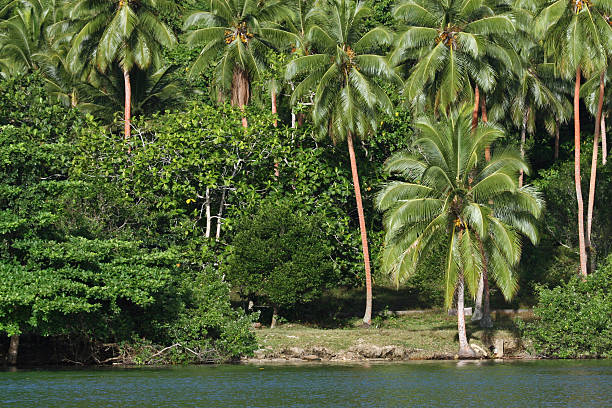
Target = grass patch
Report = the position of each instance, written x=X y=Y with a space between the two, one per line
x=433 y=332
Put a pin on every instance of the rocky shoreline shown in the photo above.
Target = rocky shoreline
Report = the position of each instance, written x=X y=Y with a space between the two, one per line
x=367 y=352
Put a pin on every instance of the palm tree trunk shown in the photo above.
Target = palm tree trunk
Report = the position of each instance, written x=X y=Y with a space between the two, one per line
x=593 y=179
x=367 y=318
x=581 y=243
x=523 y=132
x=127 y=106
x=465 y=351
x=477 y=314
x=604 y=145
x=241 y=91
x=274 y=107
x=475 y=111
x=274 y=317
x=276 y=171
x=557 y=140
x=13 y=350
x=486 y=310
x=483 y=108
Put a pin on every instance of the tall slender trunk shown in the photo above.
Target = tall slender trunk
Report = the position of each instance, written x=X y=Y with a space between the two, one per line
x=593 y=179
x=367 y=317
x=208 y=215
x=477 y=313
x=13 y=350
x=276 y=171
x=523 y=133
x=465 y=351
x=274 y=107
x=127 y=106
x=581 y=243
x=557 y=139
x=485 y=119
x=486 y=310
x=475 y=111
x=220 y=214
x=241 y=91
x=604 y=144
x=274 y=317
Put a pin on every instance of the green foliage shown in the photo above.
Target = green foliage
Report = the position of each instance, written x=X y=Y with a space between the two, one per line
x=280 y=256
x=575 y=320
x=557 y=186
x=452 y=194
x=71 y=263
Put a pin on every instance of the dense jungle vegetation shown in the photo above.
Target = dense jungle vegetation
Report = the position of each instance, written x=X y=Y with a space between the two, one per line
x=165 y=166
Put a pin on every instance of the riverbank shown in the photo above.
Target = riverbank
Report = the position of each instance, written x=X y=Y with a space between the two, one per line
x=423 y=335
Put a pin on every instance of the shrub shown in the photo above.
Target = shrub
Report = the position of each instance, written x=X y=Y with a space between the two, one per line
x=575 y=319
x=280 y=257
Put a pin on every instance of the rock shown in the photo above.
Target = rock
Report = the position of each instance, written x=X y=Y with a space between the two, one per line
x=321 y=352
x=498 y=348
x=367 y=350
x=296 y=352
x=480 y=352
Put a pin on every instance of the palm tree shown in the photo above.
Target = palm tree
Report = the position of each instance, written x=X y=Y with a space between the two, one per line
x=591 y=91
x=453 y=43
x=240 y=32
x=127 y=32
x=577 y=35
x=343 y=76
x=449 y=192
x=595 y=102
x=25 y=34
x=534 y=92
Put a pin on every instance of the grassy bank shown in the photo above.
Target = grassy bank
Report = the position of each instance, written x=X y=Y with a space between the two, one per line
x=428 y=334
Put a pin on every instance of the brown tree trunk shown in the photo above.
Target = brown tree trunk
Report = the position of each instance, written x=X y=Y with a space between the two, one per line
x=593 y=179
x=127 y=131
x=475 y=111
x=274 y=107
x=557 y=140
x=13 y=350
x=604 y=144
x=523 y=133
x=367 y=317
x=241 y=91
x=486 y=310
x=483 y=108
x=581 y=243
x=465 y=351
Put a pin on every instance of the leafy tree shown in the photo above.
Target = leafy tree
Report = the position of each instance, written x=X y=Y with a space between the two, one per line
x=451 y=193
x=125 y=32
x=240 y=32
x=347 y=99
x=576 y=34
x=279 y=256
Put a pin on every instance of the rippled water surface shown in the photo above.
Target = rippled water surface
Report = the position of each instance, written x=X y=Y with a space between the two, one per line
x=436 y=384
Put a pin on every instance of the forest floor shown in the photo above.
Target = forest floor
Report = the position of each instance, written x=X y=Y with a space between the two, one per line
x=418 y=335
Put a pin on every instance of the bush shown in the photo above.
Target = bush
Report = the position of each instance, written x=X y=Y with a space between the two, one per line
x=575 y=319
x=280 y=257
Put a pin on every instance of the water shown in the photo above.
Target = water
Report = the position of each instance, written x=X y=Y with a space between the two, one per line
x=432 y=384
